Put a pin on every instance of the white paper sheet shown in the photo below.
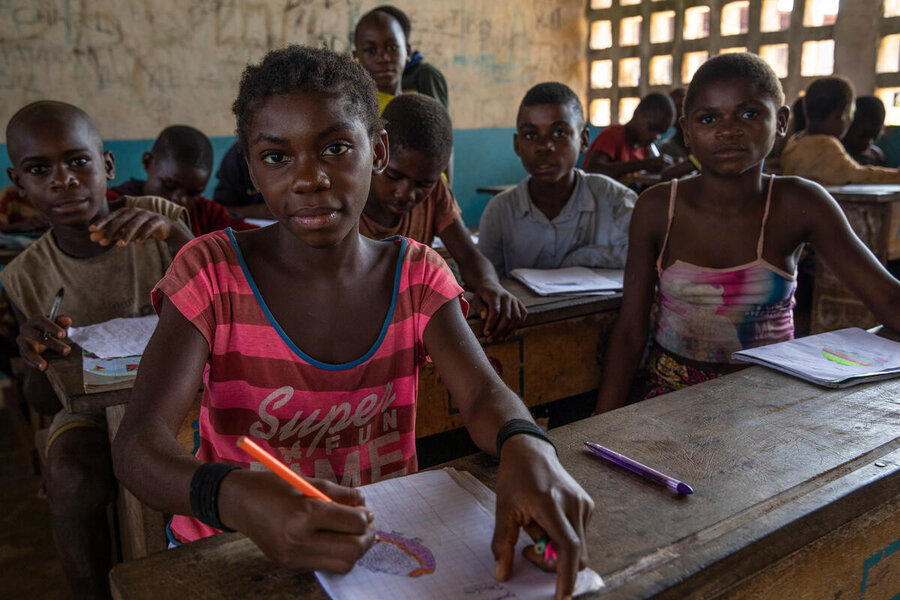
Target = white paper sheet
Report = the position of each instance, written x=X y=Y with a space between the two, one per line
x=570 y=280
x=115 y=338
x=835 y=359
x=437 y=545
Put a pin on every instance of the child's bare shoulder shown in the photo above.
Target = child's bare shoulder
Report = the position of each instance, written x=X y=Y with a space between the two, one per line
x=651 y=211
x=802 y=194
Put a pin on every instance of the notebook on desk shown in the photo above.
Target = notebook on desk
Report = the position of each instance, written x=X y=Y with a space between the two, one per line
x=570 y=280
x=834 y=359
x=435 y=530
x=112 y=351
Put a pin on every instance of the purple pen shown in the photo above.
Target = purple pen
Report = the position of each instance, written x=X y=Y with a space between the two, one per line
x=673 y=484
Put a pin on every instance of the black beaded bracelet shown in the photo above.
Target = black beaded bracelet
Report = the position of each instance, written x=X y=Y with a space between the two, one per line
x=205 y=492
x=517 y=426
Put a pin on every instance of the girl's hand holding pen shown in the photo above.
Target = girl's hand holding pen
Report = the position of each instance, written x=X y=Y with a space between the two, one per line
x=534 y=491
x=295 y=530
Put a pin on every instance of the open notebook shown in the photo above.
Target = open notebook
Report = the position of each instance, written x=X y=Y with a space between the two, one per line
x=112 y=351
x=570 y=280
x=435 y=535
x=834 y=359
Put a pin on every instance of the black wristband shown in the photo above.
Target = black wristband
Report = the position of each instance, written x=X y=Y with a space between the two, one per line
x=517 y=426
x=205 y=492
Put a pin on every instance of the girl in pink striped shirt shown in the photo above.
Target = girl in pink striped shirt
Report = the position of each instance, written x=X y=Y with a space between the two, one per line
x=308 y=338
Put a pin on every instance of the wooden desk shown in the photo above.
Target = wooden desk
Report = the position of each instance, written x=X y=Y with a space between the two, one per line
x=141 y=529
x=797 y=495
x=554 y=355
x=874 y=214
x=641 y=179
x=495 y=189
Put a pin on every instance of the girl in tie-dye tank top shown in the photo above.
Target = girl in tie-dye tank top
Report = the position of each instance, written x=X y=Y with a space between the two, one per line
x=712 y=258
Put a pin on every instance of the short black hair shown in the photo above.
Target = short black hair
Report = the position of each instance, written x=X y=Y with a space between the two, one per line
x=826 y=96
x=384 y=11
x=554 y=92
x=304 y=69
x=869 y=110
x=185 y=145
x=48 y=110
x=736 y=65
x=395 y=12
x=657 y=103
x=419 y=122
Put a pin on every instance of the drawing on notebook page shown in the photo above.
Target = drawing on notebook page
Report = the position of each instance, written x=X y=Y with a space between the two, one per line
x=435 y=543
x=852 y=359
x=395 y=554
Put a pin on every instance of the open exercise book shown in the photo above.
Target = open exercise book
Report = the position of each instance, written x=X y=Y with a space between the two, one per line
x=112 y=351
x=435 y=530
x=834 y=359
x=570 y=280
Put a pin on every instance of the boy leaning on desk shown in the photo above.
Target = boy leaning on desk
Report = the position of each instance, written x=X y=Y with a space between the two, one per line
x=107 y=258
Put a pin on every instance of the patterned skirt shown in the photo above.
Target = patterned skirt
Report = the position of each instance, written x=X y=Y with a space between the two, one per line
x=667 y=374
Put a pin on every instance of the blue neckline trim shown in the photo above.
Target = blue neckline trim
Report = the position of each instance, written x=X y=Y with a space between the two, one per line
x=317 y=363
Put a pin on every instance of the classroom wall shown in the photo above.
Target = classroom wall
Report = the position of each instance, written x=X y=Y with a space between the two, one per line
x=139 y=65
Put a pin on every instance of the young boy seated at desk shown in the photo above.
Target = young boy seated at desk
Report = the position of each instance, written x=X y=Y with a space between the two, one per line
x=107 y=259
x=816 y=153
x=867 y=127
x=622 y=149
x=558 y=216
x=411 y=198
x=178 y=168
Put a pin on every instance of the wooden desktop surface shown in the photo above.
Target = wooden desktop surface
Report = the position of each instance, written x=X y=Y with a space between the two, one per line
x=797 y=494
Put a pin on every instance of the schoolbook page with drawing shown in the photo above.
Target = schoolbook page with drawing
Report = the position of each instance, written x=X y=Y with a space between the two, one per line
x=435 y=542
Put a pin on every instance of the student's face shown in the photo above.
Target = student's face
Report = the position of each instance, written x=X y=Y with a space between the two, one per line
x=408 y=179
x=862 y=135
x=548 y=139
x=62 y=169
x=731 y=127
x=382 y=51
x=649 y=126
x=312 y=159
x=181 y=184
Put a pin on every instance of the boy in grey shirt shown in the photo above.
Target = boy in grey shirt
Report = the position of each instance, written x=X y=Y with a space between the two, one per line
x=558 y=216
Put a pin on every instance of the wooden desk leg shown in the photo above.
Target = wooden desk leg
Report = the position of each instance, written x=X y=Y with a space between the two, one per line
x=141 y=529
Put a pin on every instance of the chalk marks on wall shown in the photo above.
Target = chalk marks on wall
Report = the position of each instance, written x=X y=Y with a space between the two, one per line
x=139 y=65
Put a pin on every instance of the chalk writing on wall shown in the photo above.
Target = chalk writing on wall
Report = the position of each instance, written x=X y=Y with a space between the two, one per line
x=139 y=65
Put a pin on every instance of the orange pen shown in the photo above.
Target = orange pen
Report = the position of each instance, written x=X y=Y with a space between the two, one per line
x=279 y=468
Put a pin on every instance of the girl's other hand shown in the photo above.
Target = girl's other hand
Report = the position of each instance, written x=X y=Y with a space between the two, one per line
x=535 y=491
x=128 y=225
x=295 y=530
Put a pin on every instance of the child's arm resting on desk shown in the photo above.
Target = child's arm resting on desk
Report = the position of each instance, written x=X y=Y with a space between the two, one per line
x=502 y=312
x=290 y=528
x=533 y=488
x=629 y=335
x=839 y=247
x=135 y=225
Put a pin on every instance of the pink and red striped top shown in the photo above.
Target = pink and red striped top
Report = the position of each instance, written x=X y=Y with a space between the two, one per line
x=353 y=423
